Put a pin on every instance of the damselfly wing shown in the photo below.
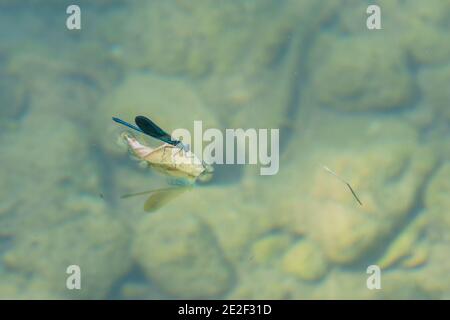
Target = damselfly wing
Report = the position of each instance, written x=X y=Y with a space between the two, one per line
x=148 y=127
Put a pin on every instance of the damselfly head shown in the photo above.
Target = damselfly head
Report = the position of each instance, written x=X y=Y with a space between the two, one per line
x=183 y=146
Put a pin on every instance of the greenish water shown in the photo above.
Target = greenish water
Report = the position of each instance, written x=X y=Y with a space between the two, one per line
x=371 y=105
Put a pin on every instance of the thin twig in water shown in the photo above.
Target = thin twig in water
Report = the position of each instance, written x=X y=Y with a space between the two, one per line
x=348 y=184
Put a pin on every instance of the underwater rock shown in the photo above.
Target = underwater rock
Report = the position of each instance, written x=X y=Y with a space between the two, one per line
x=427 y=44
x=404 y=245
x=401 y=284
x=344 y=234
x=199 y=35
x=234 y=230
x=245 y=94
x=347 y=232
x=437 y=202
x=140 y=289
x=419 y=29
x=182 y=23
x=21 y=287
x=180 y=253
x=169 y=102
x=433 y=83
x=10 y=284
x=266 y=249
x=360 y=73
x=381 y=173
x=243 y=102
x=208 y=37
x=305 y=261
x=46 y=161
x=266 y=283
x=425 y=31
x=419 y=255
x=69 y=82
x=98 y=244
x=227 y=50
x=14 y=99
x=134 y=290
x=433 y=277
x=436 y=194
x=340 y=284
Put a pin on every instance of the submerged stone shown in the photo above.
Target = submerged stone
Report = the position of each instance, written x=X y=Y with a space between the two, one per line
x=182 y=256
